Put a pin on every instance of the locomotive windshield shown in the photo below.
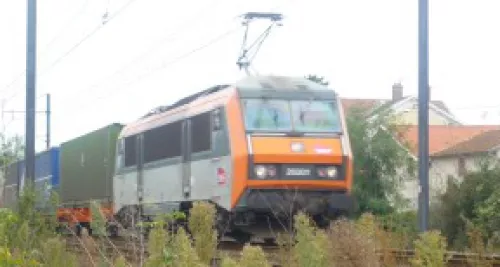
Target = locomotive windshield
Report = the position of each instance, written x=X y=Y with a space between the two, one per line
x=291 y=115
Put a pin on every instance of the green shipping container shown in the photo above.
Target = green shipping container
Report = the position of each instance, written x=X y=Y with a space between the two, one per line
x=87 y=166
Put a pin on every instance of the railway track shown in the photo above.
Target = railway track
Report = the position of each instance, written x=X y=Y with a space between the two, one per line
x=132 y=251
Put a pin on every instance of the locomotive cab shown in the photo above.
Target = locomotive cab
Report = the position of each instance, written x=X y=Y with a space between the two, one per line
x=298 y=154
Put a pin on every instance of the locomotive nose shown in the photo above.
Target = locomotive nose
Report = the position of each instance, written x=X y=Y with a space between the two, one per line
x=302 y=150
x=286 y=202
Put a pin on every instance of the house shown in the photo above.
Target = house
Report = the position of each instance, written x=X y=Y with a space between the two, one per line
x=405 y=107
x=453 y=149
x=446 y=135
x=455 y=161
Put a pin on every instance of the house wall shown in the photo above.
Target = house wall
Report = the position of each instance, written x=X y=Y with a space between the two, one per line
x=439 y=171
x=410 y=116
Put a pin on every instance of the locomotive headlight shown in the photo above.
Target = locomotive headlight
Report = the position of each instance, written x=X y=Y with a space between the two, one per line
x=260 y=171
x=331 y=172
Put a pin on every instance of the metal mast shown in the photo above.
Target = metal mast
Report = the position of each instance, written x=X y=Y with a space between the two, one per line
x=423 y=113
x=30 y=89
x=244 y=60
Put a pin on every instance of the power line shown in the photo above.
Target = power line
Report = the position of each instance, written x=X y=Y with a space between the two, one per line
x=100 y=26
x=73 y=48
x=152 y=48
x=67 y=25
x=175 y=60
x=21 y=75
x=147 y=74
x=163 y=66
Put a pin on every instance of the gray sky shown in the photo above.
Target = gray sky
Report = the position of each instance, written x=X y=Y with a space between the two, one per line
x=362 y=47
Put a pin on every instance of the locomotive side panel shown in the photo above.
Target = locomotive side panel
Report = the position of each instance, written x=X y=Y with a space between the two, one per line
x=125 y=179
x=181 y=156
x=210 y=160
x=162 y=157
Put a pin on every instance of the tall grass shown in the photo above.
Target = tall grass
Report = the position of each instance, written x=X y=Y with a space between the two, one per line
x=28 y=239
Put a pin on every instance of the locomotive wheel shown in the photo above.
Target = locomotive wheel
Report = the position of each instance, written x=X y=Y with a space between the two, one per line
x=270 y=241
x=241 y=236
x=322 y=221
x=222 y=224
x=113 y=231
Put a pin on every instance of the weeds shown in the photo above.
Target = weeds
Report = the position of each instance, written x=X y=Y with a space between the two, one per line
x=27 y=239
x=430 y=250
x=311 y=247
x=349 y=247
x=201 y=226
x=477 y=247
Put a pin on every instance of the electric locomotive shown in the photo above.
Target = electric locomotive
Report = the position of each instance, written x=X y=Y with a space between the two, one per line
x=260 y=149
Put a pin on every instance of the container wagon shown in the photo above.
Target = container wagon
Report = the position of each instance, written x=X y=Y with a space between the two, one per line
x=46 y=179
x=87 y=167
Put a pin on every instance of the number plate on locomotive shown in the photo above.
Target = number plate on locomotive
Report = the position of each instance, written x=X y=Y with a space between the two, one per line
x=297 y=171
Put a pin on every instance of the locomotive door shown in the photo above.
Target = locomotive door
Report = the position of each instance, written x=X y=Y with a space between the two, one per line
x=140 y=163
x=186 y=158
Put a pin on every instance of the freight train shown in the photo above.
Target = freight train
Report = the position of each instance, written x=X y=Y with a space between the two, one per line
x=260 y=149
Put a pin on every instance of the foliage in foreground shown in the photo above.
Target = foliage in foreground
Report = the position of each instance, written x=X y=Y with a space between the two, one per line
x=26 y=240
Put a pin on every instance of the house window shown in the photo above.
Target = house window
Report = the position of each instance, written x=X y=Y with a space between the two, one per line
x=163 y=142
x=130 y=150
x=461 y=166
x=201 y=132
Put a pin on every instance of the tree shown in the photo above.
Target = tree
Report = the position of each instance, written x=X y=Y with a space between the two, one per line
x=11 y=148
x=380 y=163
x=317 y=79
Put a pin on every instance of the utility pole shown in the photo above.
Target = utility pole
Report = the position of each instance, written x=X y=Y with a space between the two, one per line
x=423 y=113
x=30 y=89
x=47 y=112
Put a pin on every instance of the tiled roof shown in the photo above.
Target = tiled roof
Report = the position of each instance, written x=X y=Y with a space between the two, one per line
x=479 y=143
x=442 y=137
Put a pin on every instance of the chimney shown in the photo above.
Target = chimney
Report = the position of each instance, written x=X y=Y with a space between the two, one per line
x=397 y=91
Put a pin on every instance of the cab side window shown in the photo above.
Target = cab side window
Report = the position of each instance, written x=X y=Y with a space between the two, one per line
x=201 y=132
x=130 y=150
x=163 y=142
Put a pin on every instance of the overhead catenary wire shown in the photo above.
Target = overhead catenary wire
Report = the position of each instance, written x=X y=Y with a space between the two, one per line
x=73 y=48
x=169 y=37
x=68 y=24
x=165 y=64
x=230 y=31
x=49 y=44
x=86 y=37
